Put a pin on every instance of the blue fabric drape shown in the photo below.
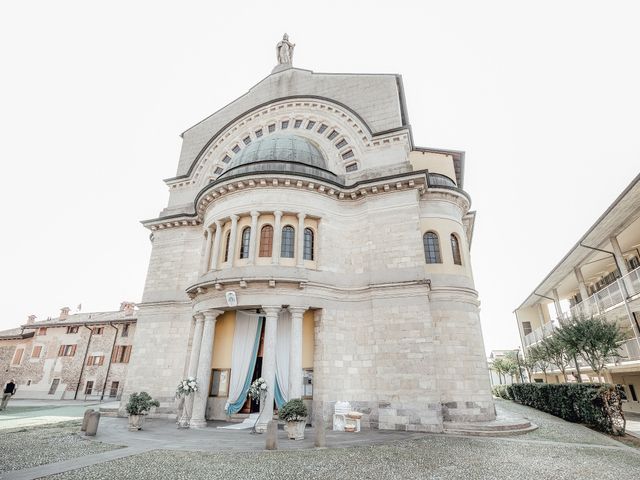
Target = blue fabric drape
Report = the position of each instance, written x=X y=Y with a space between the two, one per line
x=237 y=405
x=278 y=395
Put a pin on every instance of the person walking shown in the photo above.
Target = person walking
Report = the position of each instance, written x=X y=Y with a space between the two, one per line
x=9 y=390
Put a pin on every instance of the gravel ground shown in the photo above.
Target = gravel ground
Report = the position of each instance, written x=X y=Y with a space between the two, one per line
x=436 y=457
x=29 y=447
x=556 y=429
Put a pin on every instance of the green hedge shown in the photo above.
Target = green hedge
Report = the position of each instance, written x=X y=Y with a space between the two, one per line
x=596 y=405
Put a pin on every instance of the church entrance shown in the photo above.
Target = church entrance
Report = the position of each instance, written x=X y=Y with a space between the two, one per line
x=252 y=406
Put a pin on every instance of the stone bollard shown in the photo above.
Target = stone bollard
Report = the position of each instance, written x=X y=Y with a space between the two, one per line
x=321 y=432
x=92 y=424
x=87 y=412
x=271 y=442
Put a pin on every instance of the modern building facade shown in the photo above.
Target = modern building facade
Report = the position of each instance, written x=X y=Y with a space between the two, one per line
x=309 y=241
x=599 y=275
x=73 y=356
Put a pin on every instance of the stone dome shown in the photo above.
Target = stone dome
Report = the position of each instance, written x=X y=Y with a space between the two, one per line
x=283 y=153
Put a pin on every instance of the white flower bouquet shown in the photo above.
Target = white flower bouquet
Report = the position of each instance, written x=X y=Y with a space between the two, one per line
x=186 y=387
x=258 y=389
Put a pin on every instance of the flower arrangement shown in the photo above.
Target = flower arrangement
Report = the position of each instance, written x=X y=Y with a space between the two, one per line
x=186 y=387
x=258 y=389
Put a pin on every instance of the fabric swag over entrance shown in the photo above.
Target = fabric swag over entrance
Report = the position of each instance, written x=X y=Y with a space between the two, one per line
x=283 y=344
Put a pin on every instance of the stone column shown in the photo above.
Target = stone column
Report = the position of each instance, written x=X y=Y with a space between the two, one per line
x=277 y=237
x=193 y=364
x=622 y=265
x=300 y=246
x=216 y=246
x=253 y=241
x=295 y=352
x=556 y=303
x=204 y=369
x=584 y=294
x=232 y=239
x=269 y=364
x=206 y=260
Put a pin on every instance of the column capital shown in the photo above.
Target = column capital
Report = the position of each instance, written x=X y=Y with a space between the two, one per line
x=301 y=215
x=277 y=214
x=255 y=214
x=234 y=218
x=271 y=309
x=199 y=317
x=297 y=310
x=211 y=314
x=218 y=224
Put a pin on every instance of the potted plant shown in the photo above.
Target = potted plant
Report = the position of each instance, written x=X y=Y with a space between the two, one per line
x=294 y=412
x=138 y=406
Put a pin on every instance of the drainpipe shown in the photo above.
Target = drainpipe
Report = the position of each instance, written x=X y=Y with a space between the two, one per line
x=84 y=361
x=106 y=377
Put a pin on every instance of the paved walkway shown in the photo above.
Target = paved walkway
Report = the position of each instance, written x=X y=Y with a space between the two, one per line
x=28 y=413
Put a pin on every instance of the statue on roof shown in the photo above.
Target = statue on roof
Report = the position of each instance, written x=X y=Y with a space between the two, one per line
x=284 y=50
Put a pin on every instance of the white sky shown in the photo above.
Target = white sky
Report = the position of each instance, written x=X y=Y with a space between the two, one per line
x=543 y=96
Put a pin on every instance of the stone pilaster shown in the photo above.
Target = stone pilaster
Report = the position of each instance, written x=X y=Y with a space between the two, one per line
x=233 y=238
x=295 y=352
x=253 y=242
x=206 y=260
x=277 y=237
x=300 y=245
x=216 y=246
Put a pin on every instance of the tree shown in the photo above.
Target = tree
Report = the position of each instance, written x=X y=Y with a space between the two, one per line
x=594 y=338
x=529 y=364
x=557 y=352
x=513 y=360
x=541 y=357
x=498 y=366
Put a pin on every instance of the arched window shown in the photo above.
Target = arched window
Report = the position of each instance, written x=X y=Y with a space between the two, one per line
x=431 y=248
x=266 y=241
x=227 y=241
x=308 y=244
x=455 y=249
x=288 y=242
x=246 y=238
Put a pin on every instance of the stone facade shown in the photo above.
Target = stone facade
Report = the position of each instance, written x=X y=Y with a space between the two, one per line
x=395 y=335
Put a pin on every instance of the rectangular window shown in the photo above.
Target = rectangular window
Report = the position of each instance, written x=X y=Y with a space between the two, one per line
x=258 y=133
x=537 y=380
x=307 y=382
x=42 y=331
x=284 y=124
x=352 y=167
x=297 y=124
x=67 y=350
x=113 y=391
x=73 y=329
x=348 y=154
x=218 y=170
x=342 y=143
x=95 y=360
x=17 y=356
x=310 y=124
x=121 y=354
x=526 y=328
x=332 y=135
x=226 y=159
x=125 y=330
x=322 y=128
x=247 y=140
x=54 y=386
x=98 y=331
x=235 y=149
x=89 y=387
x=37 y=350
x=272 y=128
x=220 y=382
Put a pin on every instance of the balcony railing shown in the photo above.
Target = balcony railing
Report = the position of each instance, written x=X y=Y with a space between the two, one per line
x=603 y=300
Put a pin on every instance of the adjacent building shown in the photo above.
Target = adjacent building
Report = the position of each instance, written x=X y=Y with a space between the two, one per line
x=599 y=275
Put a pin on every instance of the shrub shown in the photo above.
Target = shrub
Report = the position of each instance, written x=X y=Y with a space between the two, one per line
x=501 y=391
x=596 y=405
x=140 y=403
x=293 y=411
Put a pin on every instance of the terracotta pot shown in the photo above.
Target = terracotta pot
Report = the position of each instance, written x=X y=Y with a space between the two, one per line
x=135 y=422
x=295 y=430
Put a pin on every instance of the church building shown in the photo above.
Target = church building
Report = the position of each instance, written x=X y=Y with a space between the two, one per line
x=309 y=241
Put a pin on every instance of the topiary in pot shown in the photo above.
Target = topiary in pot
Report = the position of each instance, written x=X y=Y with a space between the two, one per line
x=294 y=412
x=138 y=406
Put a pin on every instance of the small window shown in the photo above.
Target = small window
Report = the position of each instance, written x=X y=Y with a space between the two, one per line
x=73 y=329
x=218 y=170
x=125 y=330
x=526 y=328
x=236 y=149
x=284 y=124
x=307 y=383
x=246 y=238
x=258 y=133
x=297 y=124
x=455 y=250
x=95 y=360
x=342 y=143
x=632 y=391
x=348 y=154
x=310 y=124
x=226 y=159
x=272 y=128
x=36 y=352
x=431 y=247
x=17 y=356
x=113 y=391
x=288 y=242
x=266 y=241
x=54 y=386
x=352 y=167
x=247 y=140
x=42 y=331
x=98 y=331
x=67 y=350
x=322 y=128
x=88 y=389
x=332 y=135
x=219 y=382
x=308 y=244
x=538 y=380
x=121 y=354
x=227 y=242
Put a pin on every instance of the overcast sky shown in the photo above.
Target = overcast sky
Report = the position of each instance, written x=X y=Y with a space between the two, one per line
x=543 y=97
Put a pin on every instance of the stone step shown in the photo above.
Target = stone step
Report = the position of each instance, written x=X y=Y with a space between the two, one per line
x=108 y=411
x=490 y=433
x=489 y=426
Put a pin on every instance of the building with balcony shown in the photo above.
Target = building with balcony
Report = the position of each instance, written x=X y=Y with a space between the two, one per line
x=72 y=356
x=600 y=275
x=307 y=240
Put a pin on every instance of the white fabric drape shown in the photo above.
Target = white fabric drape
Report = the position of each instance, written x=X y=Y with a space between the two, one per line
x=244 y=339
x=283 y=343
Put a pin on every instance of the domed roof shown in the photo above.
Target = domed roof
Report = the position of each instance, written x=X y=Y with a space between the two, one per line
x=279 y=152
